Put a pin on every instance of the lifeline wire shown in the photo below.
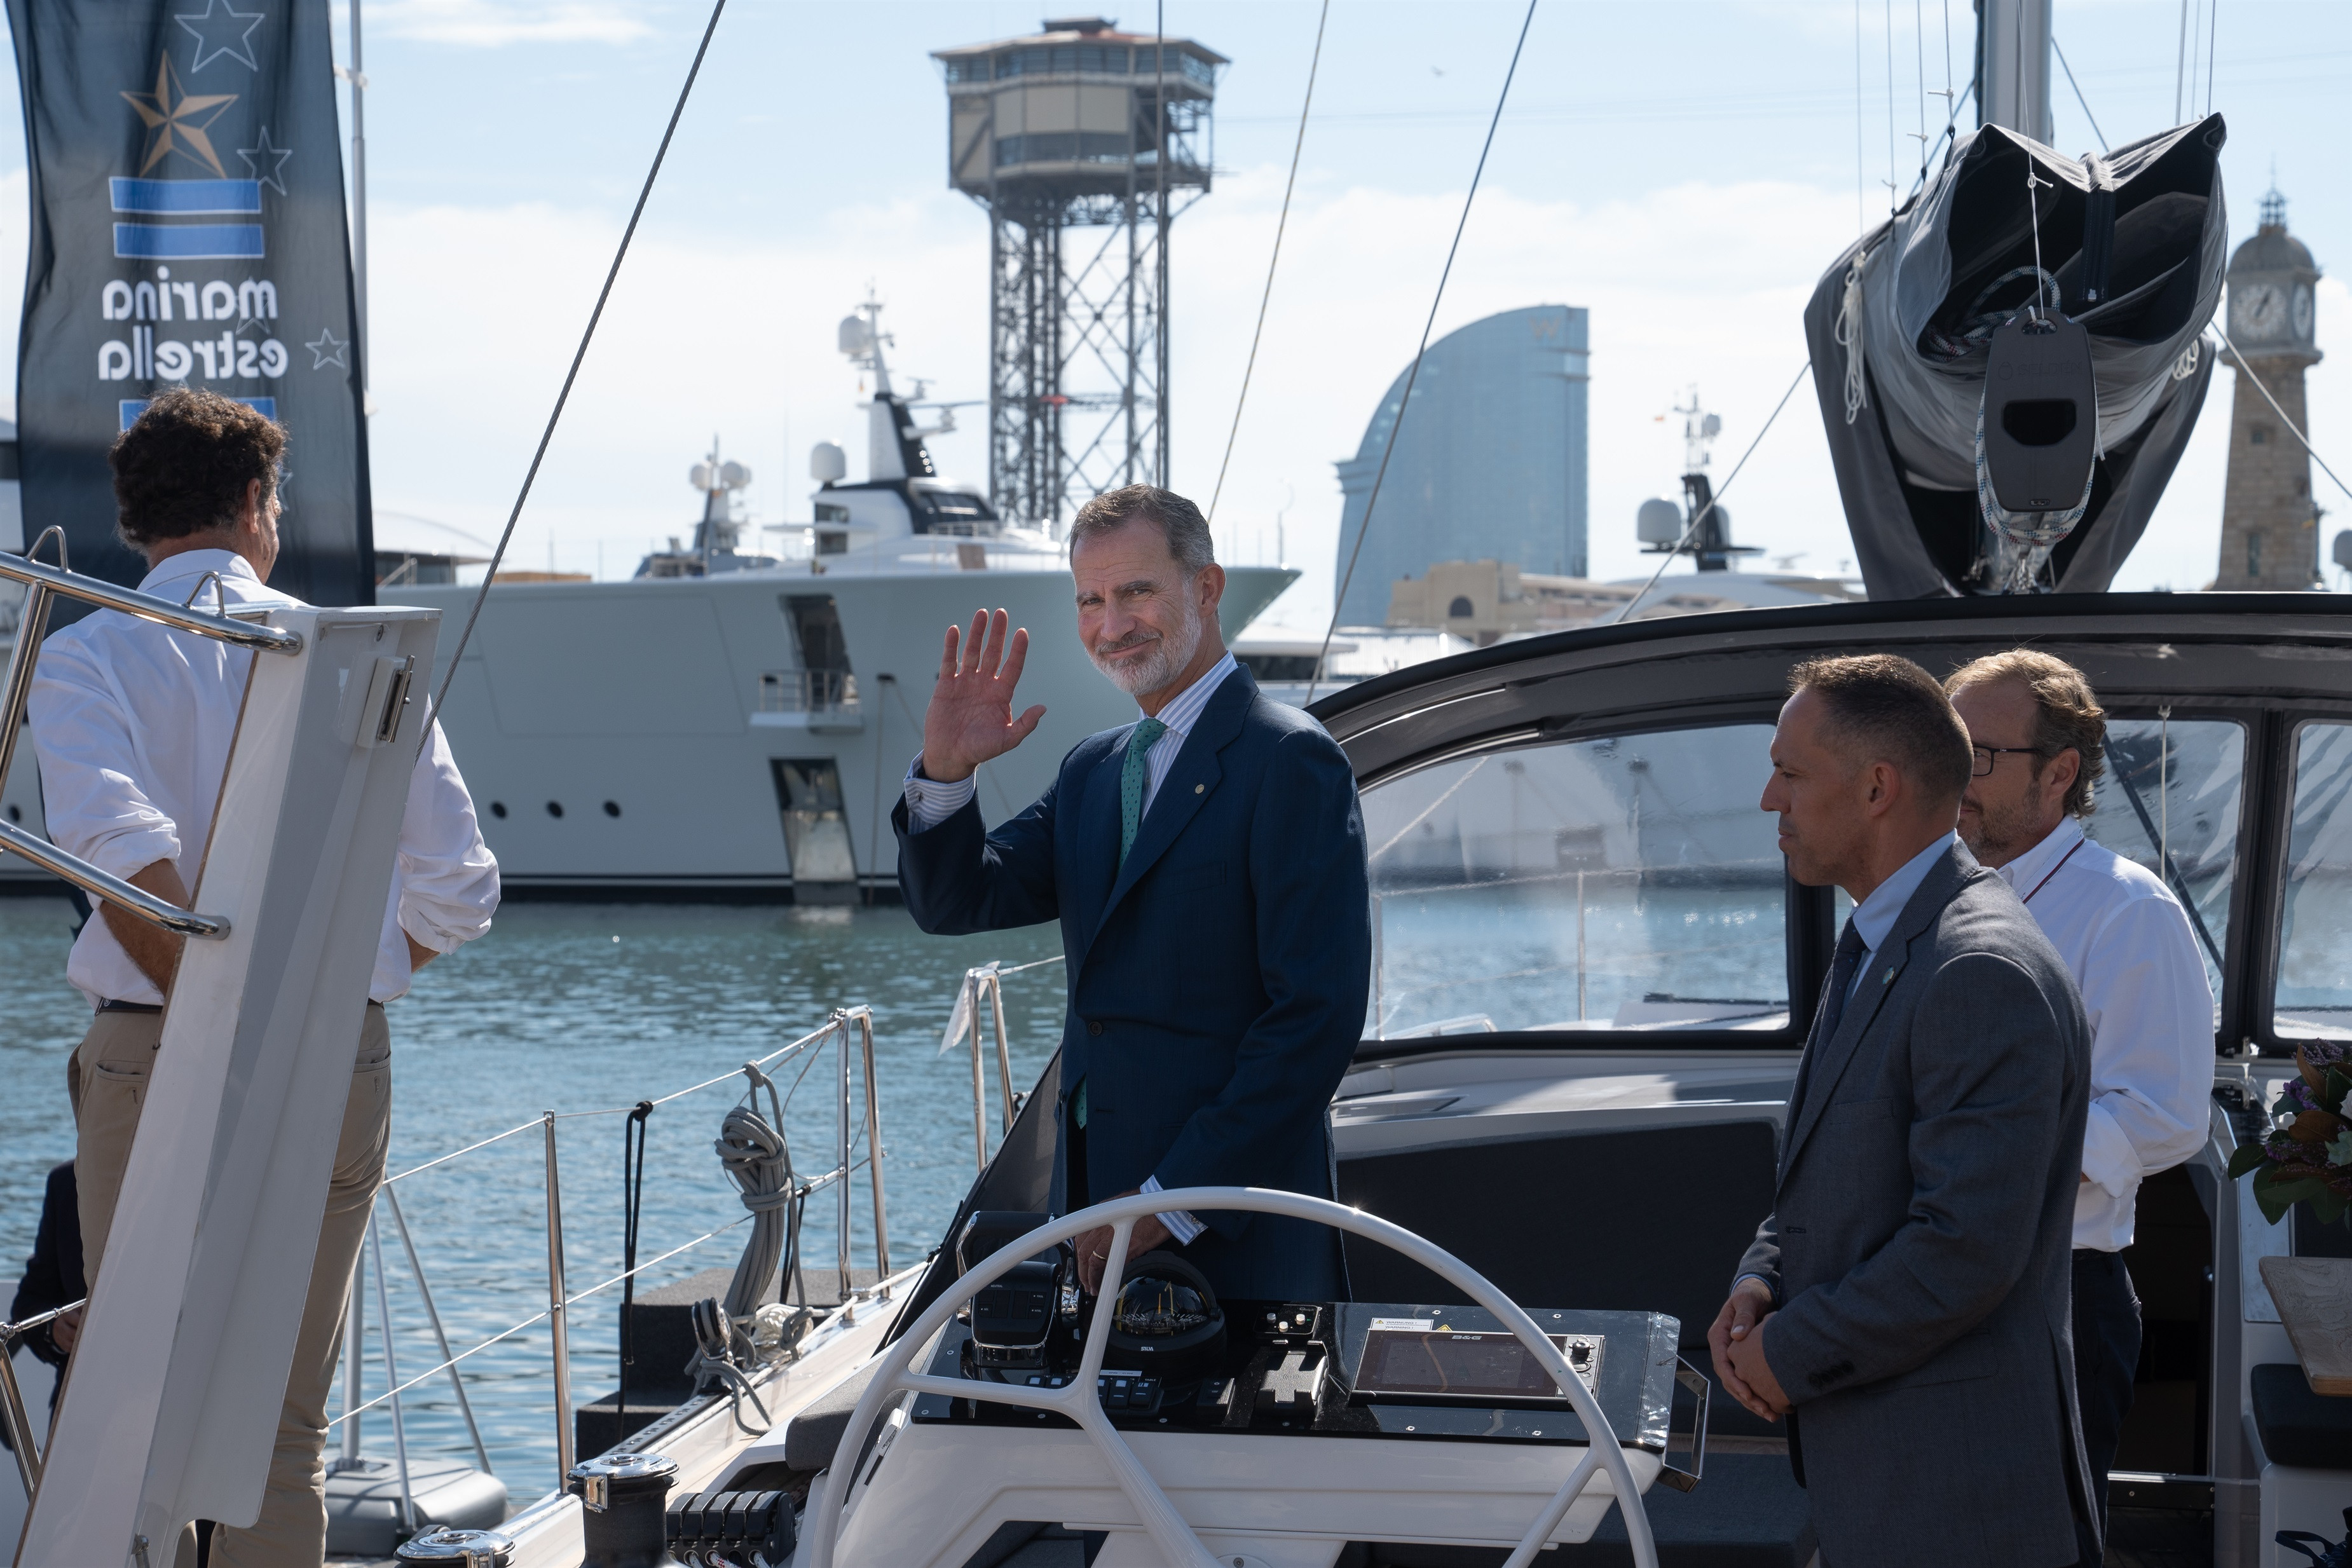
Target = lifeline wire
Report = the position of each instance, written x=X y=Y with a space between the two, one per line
x=1635 y=602
x=1313 y=64
x=498 y=555
x=1404 y=404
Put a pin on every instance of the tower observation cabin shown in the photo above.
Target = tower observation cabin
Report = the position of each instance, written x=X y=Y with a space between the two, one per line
x=1083 y=142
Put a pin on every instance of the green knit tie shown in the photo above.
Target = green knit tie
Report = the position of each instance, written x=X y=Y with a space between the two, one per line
x=1131 y=781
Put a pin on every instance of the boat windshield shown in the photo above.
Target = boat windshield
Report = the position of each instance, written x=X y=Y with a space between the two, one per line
x=2314 y=972
x=1632 y=883
x=1628 y=882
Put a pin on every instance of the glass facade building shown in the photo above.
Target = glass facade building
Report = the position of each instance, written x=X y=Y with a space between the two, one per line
x=1491 y=464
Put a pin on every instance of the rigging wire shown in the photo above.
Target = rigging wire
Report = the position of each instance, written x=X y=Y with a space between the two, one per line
x=2078 y=94
x=2248 y=371
x=2212 y=30
x=1860 y=211
x=490 y=574
x=1894 y=191
x=1919 y=68
x=1282 y=222
x=2180 y=64
x=1717 y=500
x=1404 y=404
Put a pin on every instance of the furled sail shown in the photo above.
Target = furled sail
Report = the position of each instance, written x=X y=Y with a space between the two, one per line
x=2131 y=244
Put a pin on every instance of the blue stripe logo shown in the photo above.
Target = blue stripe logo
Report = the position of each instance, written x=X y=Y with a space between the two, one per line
x=160 y=197
x=188 y=242
x=133 y=407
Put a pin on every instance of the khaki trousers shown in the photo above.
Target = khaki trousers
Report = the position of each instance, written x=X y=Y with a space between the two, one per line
x=107 y=1079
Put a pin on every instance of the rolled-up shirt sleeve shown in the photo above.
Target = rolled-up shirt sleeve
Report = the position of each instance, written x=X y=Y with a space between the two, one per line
x=93 y=807
x=2151 y=1014
x=448 y=878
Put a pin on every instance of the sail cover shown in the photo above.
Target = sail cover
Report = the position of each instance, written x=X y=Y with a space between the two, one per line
x=1899 y=329
x=187 y=229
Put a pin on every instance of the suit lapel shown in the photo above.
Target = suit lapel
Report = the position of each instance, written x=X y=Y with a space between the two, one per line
x=1185 y=789
x=1098 y=848
x=1819 y=1078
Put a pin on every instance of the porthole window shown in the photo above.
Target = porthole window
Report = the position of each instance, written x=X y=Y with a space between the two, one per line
x=498 y=809
x=555 y=808
x=611 y=808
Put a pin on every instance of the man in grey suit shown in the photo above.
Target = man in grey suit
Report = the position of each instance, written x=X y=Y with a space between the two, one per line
x=1906 y=1305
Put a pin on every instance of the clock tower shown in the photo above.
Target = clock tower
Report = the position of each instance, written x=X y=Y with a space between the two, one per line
x=2270 y=524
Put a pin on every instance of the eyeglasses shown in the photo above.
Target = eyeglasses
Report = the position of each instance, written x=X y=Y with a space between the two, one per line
x=1984 y=757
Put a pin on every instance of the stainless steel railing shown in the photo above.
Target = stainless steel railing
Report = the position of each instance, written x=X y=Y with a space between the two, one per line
x=987 y=982
x=43 y=584
x=808 y=691
x=851 y=1028
x=19 y=1425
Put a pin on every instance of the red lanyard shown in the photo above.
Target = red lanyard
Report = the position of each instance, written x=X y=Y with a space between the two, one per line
x=2054 y=871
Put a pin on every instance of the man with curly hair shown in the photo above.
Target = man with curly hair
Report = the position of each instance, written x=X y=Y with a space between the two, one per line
x=133 y=724
x=2039 y=742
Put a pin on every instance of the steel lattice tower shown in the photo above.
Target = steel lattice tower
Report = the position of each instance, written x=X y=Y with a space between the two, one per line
x=1083 y=143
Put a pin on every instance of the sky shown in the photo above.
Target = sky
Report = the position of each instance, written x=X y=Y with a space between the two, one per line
x=1682 y=169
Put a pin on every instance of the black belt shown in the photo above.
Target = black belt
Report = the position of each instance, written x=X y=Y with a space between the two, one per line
x=158 y=1007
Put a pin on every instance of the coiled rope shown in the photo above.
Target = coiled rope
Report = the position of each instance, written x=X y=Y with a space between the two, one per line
x=757 y=1158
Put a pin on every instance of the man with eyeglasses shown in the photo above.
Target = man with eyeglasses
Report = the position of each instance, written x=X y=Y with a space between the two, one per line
x=2039 y=737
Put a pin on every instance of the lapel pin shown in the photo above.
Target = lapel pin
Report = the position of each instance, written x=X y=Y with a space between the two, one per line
x=1200 y=788
x=1889 y=980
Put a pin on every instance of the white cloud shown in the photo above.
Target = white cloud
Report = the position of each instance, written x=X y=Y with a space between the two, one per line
x=477 y=311
x=488 y=23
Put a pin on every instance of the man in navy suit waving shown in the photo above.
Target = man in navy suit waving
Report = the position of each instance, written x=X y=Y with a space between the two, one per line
x=1207 y=865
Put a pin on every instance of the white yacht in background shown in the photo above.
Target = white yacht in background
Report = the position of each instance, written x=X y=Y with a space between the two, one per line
x=736 y=725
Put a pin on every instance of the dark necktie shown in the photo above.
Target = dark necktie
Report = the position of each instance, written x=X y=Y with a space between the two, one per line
x=1849 y=952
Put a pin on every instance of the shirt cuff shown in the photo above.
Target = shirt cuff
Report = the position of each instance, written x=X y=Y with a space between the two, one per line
x=1180 y=1222
x=931 y=802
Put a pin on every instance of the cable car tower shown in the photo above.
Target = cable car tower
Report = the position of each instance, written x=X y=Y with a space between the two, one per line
x=1084 y=144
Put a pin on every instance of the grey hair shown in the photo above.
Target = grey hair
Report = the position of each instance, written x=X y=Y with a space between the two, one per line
x=1178 y=520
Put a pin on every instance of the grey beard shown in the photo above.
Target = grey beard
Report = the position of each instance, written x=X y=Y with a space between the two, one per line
x=1156 y=669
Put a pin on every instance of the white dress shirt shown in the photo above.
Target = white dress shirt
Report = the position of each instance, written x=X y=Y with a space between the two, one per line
x=931 y=802
x=1873 y=918
x=2128 y=942
x=133 y=723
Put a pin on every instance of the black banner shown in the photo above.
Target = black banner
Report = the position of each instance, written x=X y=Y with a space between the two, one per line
x=188 y=228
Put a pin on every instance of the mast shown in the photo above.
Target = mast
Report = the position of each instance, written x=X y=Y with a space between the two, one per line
x=2013 y=66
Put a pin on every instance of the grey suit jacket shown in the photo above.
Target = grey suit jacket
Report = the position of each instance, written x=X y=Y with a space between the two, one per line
x=1919 y=1246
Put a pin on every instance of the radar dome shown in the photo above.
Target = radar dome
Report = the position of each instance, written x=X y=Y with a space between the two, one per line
x=828 y=465
x=1659 y=522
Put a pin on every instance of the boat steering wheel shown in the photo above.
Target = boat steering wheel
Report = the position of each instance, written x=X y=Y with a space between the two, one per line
x=1079 y=1402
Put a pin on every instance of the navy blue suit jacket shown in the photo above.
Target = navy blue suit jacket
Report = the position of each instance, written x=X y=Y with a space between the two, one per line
x=1217 y=981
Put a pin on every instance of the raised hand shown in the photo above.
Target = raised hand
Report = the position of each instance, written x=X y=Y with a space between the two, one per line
x=971 y=717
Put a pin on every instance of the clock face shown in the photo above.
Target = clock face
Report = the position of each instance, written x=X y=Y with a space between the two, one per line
x=2302 y=311
x=2258 y=310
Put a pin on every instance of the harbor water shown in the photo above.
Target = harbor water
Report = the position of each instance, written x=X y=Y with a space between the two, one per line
x=583 y=1008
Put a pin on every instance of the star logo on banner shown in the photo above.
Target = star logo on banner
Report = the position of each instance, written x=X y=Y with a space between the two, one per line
x=266 y=161
x=327 y=350
x=178 y=119
x=220 y=30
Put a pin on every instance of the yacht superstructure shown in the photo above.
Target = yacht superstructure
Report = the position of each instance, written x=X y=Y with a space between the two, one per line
x=727 y=724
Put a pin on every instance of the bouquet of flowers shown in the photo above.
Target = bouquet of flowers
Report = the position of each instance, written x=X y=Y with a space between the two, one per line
x=2307 y=1157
